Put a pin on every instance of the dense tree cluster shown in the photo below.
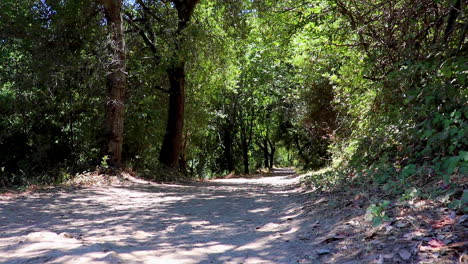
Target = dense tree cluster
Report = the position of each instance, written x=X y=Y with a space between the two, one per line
x=369 y=87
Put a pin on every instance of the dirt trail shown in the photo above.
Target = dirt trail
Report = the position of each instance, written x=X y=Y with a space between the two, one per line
x=256 y=220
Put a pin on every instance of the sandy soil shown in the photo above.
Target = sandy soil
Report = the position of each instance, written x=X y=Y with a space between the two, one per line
x=239 y=220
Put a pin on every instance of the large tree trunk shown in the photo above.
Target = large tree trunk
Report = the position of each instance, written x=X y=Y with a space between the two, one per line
x=116 y=83
x=172 y=143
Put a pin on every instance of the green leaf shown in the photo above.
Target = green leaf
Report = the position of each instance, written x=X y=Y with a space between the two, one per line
x=408 y=170
x=455 y=204
x=464 y=155
x=385 y=203
x=450 y=164
x=465 y=197
x=464 y=169
x=377 y=221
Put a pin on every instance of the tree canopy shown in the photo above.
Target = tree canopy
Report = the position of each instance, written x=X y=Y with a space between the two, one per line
x=373 y=89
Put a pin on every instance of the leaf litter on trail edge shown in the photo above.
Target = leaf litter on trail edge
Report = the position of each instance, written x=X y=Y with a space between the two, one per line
x=446 y=220
x=335 y=237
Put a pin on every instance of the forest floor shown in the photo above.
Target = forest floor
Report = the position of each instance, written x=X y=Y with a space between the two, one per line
x=256 y=219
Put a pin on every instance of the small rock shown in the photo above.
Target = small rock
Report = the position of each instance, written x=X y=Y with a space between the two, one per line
x=65 y=234
x=388 y=229
x=400 y=224
x=323 y=251
x=379 y=260
x=404 y=254
x=310 y=257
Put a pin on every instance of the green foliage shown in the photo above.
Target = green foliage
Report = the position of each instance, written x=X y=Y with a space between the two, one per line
x=410 y=194
x=460 y=204
x=49 y=90
x=380 y=98
x=376 y=213
x=401 y=107
x=104 y=164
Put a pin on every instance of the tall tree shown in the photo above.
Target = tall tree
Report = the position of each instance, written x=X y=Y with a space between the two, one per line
x=173 y=139
x=116 y=82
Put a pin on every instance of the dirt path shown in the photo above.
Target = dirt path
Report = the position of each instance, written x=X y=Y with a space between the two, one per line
x=239 y=220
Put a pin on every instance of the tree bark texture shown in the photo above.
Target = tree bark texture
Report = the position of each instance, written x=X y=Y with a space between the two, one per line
x=266 y=155
x=172 y=143
x=228 y=148
x=116 y=83
x=271 y=153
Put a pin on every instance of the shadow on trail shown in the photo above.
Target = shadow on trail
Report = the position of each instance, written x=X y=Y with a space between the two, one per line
x=256 y=220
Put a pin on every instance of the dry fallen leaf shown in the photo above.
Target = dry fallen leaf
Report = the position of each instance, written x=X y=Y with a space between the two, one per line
x=336 y=236
x=458 y=244
x=415 y=235
x=436 y=243
x=462 y=219
x=370 y=235
x=404 y=254
x=446 y=220
x=433 y=245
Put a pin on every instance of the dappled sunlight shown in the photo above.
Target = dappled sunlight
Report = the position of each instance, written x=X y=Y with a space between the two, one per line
x=223 y=221
x=266 y=209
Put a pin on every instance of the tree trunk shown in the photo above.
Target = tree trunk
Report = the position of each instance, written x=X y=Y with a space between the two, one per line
x=454 y=13
x=245 y=156
x=271 y=154
x=264 y=146
x=301 y=153
x=172 y=143
x=116 y=83
x=183 y=154
x=228 y=153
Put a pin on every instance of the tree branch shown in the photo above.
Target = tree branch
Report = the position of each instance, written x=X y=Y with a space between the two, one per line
x=157 y=87
x=128 y=17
